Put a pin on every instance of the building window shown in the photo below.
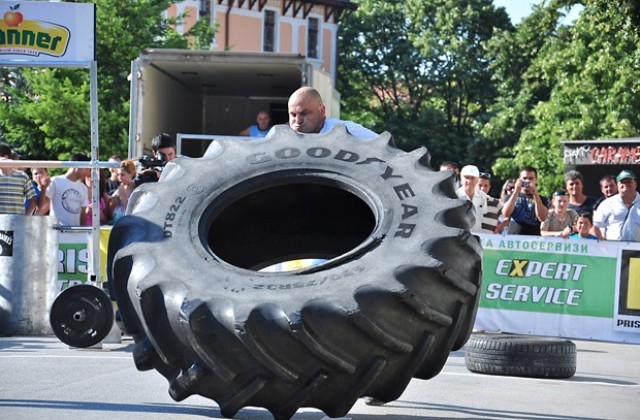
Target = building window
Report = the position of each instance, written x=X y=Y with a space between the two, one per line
x=269 y=36
x=204 y=7
x=312 y=38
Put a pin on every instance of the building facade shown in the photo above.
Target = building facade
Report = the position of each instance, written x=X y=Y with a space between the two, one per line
x=308 y=28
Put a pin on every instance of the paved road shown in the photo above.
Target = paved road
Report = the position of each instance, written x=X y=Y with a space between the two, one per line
x=41 y=378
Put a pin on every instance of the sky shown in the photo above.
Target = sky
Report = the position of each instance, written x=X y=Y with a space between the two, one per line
x=519 y=9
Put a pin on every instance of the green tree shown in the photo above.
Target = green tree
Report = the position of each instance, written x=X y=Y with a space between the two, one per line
x=582 y=83
x=423 y=75
x=512 y=53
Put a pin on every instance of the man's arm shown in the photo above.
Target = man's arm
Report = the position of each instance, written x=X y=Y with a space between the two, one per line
x=32 y=206
x=83 y=216
x=542 y=212
x=43 y=200
x=360 y=131
x=600 y=221
x=509 y=205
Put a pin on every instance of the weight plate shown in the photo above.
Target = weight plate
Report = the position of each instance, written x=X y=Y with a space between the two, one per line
x=81 y=316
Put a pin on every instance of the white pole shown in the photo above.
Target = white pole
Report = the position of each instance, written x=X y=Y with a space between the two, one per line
x=95 y=176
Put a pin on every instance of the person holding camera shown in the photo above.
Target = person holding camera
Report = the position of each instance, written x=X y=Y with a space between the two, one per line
x=164 y=151
x=525 y=208
x=163 y=147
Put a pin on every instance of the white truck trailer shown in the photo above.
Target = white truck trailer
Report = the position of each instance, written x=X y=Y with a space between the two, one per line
x=215 y=93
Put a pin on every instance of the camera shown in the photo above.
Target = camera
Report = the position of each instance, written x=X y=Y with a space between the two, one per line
x=150 y=166
x=525 y=184
x=149 y=162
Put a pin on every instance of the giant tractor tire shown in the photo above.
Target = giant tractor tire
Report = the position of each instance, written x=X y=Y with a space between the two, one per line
x=398 y=291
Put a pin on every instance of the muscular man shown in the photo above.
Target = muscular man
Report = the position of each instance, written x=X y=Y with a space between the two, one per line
x=307 y=115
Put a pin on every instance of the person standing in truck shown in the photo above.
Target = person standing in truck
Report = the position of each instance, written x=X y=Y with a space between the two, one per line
x=307 y=114
x=261 y=128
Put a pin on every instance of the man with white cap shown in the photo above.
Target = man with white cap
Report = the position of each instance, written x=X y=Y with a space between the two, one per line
x=470 y=175
x=618 y=217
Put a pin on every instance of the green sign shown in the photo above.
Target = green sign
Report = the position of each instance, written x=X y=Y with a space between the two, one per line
x=559 y=283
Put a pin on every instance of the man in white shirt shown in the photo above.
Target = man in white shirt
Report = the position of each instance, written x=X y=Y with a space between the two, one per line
x=470 y=176
x=618 y=217
x=492 y=221
x=68 y=194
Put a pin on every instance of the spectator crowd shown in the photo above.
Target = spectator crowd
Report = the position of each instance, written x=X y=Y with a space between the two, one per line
x=567 y=214
x=520 y=209
x=32 y=191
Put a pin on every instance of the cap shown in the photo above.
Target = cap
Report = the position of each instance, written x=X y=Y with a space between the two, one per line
x=470 y=170
x=625 y=175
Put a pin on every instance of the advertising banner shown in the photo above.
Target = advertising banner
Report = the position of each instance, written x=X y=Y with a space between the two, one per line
x=569 y=288
x=74 y=256
x=41 y=31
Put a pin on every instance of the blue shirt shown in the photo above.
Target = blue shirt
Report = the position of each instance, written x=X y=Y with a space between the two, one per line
x=523 y=220
x=254 y=131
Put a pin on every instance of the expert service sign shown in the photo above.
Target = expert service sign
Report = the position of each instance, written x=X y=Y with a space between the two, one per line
x=41 y=31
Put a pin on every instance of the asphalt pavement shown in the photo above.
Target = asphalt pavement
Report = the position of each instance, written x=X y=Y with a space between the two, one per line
x=42 y=378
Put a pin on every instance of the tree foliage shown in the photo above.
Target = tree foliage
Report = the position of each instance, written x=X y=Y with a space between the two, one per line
x=47 y=115
x=423 y=68
x=581 y=84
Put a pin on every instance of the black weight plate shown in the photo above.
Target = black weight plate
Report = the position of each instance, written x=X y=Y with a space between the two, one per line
x=81 y=316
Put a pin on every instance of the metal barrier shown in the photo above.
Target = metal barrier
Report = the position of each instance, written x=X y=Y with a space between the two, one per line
x=28 y=272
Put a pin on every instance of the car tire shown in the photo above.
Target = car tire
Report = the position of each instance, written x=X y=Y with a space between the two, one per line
x=397 y=292
x=521 y=355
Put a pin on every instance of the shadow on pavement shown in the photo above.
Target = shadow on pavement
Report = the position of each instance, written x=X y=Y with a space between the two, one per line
x=119 y=408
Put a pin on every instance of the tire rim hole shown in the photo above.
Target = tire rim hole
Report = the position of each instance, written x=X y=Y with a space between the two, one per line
x=290 y=226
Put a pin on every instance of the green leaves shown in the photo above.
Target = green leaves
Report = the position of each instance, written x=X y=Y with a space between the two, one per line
x=419 y=69
x=581 y=84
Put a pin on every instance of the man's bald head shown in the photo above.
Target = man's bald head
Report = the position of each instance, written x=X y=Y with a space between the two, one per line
x=263 y=120
x=306 y=110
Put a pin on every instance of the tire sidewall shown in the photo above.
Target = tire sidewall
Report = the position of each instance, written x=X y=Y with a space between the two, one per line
x=389 y=185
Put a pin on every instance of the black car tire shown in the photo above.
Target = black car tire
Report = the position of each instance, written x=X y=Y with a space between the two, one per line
x=398 y=292
x=521 y=355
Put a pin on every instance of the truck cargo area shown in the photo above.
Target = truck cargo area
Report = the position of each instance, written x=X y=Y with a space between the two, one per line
x=214 y=93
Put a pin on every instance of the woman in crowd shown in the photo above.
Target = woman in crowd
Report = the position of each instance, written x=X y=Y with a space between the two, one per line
x=105 y=212
x=120 y=197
